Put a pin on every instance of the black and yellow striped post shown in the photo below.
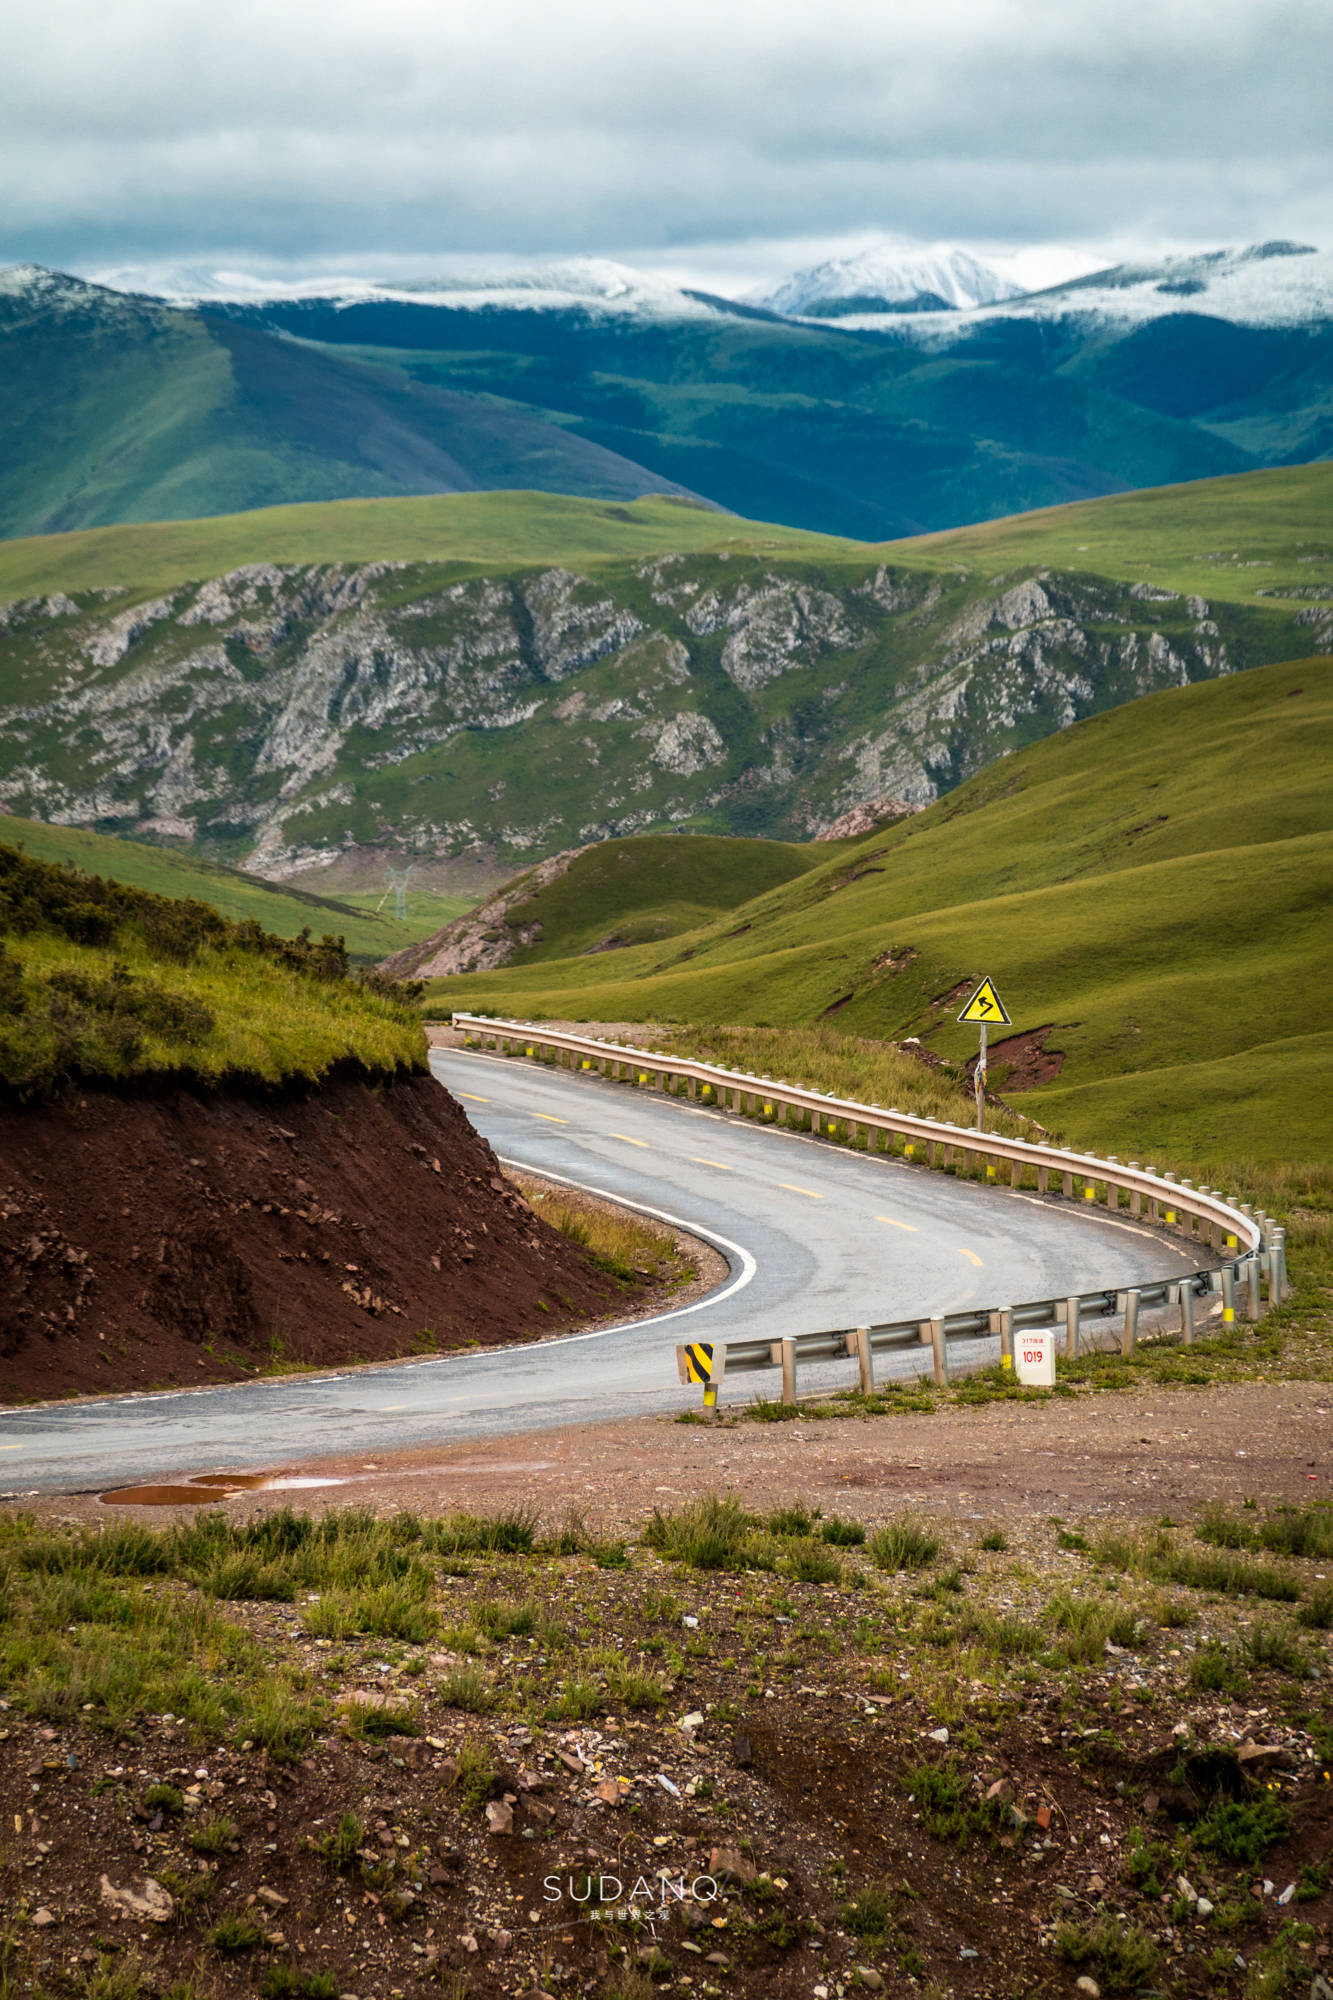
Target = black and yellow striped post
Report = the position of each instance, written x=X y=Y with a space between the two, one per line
x=695 y=1363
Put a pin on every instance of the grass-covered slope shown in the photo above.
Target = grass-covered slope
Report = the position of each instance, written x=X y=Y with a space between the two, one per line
x=497 y=532
x=166 y=871
x=103 y=982
x=1149 y=889
x=609 y=896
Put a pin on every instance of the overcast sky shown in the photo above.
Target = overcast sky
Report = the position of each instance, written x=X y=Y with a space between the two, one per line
x=725 y=140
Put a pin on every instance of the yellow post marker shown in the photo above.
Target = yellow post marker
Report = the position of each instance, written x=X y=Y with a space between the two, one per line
x=694 y=1363
x=984 y=1010
x=1089 y=1191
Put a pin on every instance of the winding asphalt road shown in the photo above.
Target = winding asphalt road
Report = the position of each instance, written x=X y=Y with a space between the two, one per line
x=814 y=1237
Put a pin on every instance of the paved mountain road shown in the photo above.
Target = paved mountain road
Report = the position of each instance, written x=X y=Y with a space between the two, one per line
x=814 y=1236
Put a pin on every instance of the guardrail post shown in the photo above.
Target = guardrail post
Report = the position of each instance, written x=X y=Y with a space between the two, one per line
x=1069 y=1187
x=865 y=1359
x=1006 y=1318
x=1228 y=1295
x=1186 y=1291
x=938 y=1352
x=1252 y=1275
x=1129 y=1332
x=1135 y=1198
x=1282 y=1289
x=1071 y=1329
x=1043 y=1174
x=788 y=1348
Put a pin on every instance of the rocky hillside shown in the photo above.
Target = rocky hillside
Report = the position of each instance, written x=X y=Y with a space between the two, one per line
x=281 y=714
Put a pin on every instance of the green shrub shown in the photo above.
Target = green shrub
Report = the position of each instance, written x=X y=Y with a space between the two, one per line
x=1242 y=1830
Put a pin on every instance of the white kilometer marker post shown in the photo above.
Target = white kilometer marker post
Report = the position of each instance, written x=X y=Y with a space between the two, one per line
x=984 y=1007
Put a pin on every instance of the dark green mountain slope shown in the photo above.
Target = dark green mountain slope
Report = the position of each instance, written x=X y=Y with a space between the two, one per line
x=115 y=408
x=854 y=433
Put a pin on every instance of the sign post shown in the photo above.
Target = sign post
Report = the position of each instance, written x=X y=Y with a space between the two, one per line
x=982 y=1009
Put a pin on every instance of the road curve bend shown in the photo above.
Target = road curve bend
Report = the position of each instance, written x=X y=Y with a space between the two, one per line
x=814 y=1237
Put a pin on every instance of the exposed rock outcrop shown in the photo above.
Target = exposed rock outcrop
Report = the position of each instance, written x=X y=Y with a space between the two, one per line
x=291 y=715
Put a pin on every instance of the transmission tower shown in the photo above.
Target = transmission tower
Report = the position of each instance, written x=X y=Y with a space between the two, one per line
x=398 y=881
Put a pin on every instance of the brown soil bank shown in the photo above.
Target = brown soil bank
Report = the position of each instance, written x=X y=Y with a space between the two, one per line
x=192 y=1237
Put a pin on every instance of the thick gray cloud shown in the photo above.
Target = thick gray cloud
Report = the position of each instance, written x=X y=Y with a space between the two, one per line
x=352 y=129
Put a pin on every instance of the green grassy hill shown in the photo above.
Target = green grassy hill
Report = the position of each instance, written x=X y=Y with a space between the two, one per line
x=101 y=981
x=616 y=894
x=1149 y=889
x=283 y=911
x=496 y=532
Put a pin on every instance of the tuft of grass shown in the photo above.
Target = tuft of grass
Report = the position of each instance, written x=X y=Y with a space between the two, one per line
x=706 y=1534
x=811 y=1562
x=795 y=1520
x=339 y=1847
x=870 y=1912
x=213 y=1836
x=842 y=1534
x=477 y=1774
x=1122 y=1955
x=164 y=1798
x=465 y=1688
x=236 y=1933
x=905 y=1544
x=994 y=1539
x=285 y=1981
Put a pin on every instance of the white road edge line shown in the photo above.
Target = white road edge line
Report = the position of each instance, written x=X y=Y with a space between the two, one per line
x=738 y=1283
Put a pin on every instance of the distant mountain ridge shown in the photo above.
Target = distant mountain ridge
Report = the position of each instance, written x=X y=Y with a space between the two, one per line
x=879 y=403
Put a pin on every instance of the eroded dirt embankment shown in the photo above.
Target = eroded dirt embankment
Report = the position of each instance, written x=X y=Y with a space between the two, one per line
x=191 y=1238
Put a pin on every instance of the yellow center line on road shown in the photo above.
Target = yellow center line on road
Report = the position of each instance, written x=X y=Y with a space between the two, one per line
x=625 y=1137
x=549 y=1118
x=970 y=1255
x=11 y=1447
x=894 y=1223
x=468 y=1098
x=696 y=1159
x=792 y=1188
x=385 y=1408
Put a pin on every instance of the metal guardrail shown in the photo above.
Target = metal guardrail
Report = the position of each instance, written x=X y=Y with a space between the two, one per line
x=1257 y=1273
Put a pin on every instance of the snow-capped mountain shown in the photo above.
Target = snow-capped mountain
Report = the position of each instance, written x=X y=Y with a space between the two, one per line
x=588 y=284
x=890 y=279
x=1266 y=284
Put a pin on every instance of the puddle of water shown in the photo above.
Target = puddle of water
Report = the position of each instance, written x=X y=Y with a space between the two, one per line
x=206 y=1489
x=162 y=1496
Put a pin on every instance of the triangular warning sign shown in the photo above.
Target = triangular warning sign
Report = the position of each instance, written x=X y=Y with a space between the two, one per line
x=986 y=1007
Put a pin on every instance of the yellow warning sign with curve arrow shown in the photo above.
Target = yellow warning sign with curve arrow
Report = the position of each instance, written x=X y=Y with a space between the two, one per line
x=986 y=1008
